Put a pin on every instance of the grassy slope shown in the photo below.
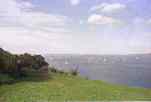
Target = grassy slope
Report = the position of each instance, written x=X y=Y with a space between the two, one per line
x=63 y=87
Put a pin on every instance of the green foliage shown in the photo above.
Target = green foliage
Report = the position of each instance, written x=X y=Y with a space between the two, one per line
x=6 y=79
x=74 y=72
x=17 y=66
x=53 y=69
x=7 y=62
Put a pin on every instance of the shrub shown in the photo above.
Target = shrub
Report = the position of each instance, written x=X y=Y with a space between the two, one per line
x=6 y=79
x=74 y=71
x=18 y=66
x=53 y=69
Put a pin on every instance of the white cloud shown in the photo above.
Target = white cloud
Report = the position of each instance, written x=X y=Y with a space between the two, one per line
x=21 y=14
x=20 y=40
x=23 y=29
x=142 y=21
x=81 y=22
x=149 y=21
x=141 y=24
x=102 y=20
x=43 y=21
x=74 y=2
x=139 y=20
x=108 y=8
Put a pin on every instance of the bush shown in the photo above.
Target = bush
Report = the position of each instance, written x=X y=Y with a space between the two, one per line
x=53 y=69
x=74 y=72
x=18 y=66
x=6 y=79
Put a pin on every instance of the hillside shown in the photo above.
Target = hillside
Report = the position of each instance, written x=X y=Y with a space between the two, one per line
x=68 y=87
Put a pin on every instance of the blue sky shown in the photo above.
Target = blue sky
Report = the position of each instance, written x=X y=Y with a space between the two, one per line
x=76 y=26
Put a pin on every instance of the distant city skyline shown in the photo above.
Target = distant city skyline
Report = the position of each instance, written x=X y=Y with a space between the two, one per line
x=76 y=26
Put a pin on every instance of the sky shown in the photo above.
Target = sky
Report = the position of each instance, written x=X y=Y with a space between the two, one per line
x=76 y=26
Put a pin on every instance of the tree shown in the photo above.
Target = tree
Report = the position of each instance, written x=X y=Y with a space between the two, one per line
x=20 y=65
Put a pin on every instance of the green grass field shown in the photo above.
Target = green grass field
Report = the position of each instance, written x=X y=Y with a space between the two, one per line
x=62 y=87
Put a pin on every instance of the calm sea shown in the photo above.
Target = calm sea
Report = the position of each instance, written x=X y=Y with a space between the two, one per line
x=131 y=70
